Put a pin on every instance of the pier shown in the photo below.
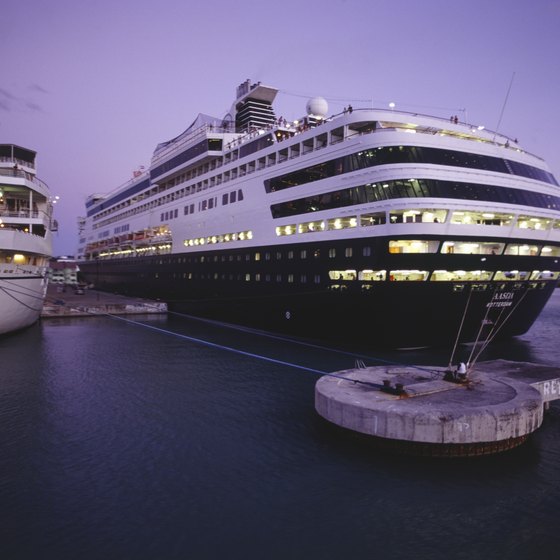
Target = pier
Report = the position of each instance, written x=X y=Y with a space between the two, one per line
x=414 y=410
x=68 y=302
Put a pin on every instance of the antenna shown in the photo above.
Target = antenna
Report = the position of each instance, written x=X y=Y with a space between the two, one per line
x=503 y=107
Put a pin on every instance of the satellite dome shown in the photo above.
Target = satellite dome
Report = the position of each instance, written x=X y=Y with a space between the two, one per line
x=317 y=107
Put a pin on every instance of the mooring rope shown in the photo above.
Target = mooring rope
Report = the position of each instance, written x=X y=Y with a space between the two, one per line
x=258 y=356
x=238 y=351
x=491 y=336
x=460 y=329
x=22 y=291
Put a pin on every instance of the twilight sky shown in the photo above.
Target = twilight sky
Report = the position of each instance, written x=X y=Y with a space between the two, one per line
x=94 y=85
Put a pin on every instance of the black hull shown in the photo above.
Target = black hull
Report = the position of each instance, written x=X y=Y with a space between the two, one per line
x=391 y=316
x=387 y=313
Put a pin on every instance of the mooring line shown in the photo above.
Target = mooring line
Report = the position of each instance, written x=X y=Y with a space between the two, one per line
x=293 y=340
x=258 y=356
x=242 y=352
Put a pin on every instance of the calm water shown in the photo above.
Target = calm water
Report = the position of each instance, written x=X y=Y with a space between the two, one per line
x=125 y=442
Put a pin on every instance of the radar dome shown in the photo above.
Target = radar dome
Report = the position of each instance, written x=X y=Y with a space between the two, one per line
x=317 y=107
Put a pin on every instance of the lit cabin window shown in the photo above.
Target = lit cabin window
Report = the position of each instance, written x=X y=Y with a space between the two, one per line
x=310 y=227
x=342 y=223
x=372 y=275
x=461 y=276
x=550 y=251
x=511 y=275
x=522 y=249
x=408 y=275
x=413 y=246
x=342 y=275
x=544 y=275
x=472 y=248
x=374 y=219
x=417 y=215
x=465 y=217
x=533 y=222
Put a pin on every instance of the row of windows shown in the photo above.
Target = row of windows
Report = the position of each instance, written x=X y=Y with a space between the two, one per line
x=384 y=275
x=387 y=155
x=208 y=144
x=421 y=215
x=19 y=259
x=412 y=188
x=227 y=198
x=368 y=275
x=169 y=215
x=472 y=247
x=222 y=238
x=394 y=246
x=121 y=229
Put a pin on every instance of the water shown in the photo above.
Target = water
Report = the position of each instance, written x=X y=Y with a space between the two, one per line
x=124 y=442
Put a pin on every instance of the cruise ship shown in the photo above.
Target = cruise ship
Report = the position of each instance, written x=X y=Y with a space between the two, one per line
x=26 y=226
x=369 y=226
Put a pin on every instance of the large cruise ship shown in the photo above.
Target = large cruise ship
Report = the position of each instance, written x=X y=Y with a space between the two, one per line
x=369 y=226
x=26 y=226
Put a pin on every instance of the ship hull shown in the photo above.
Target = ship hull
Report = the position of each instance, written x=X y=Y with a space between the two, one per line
x=385 y=313
x=21 y=302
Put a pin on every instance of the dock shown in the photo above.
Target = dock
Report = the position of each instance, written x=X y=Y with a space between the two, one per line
x=415 y=410
x=68 y=302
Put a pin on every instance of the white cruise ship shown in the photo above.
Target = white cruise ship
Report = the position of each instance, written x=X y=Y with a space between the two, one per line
x=26 y=225
x=369 y=226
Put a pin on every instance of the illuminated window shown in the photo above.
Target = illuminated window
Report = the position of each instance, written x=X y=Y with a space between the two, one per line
x=461 y=276
x=550 y=251
x=465 y=217
x=544 y=275
x=372 y=275
x=522 y=249
x=534 y=223
x=310 y=227
x=511 y=275
x=408 y=275
x=342 y=223
x=413 y=246
x=342 y=275
x=375 y=219
x=472 y=248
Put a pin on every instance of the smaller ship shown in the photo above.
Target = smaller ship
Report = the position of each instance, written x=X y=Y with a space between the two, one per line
x=26 y=226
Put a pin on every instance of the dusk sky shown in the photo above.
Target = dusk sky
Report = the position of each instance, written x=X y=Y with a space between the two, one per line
x=93 y=86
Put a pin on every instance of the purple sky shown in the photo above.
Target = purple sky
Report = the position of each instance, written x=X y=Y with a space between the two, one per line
x=93 y=86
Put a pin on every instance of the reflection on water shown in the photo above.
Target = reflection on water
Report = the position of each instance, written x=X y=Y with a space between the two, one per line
x=121 y=441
